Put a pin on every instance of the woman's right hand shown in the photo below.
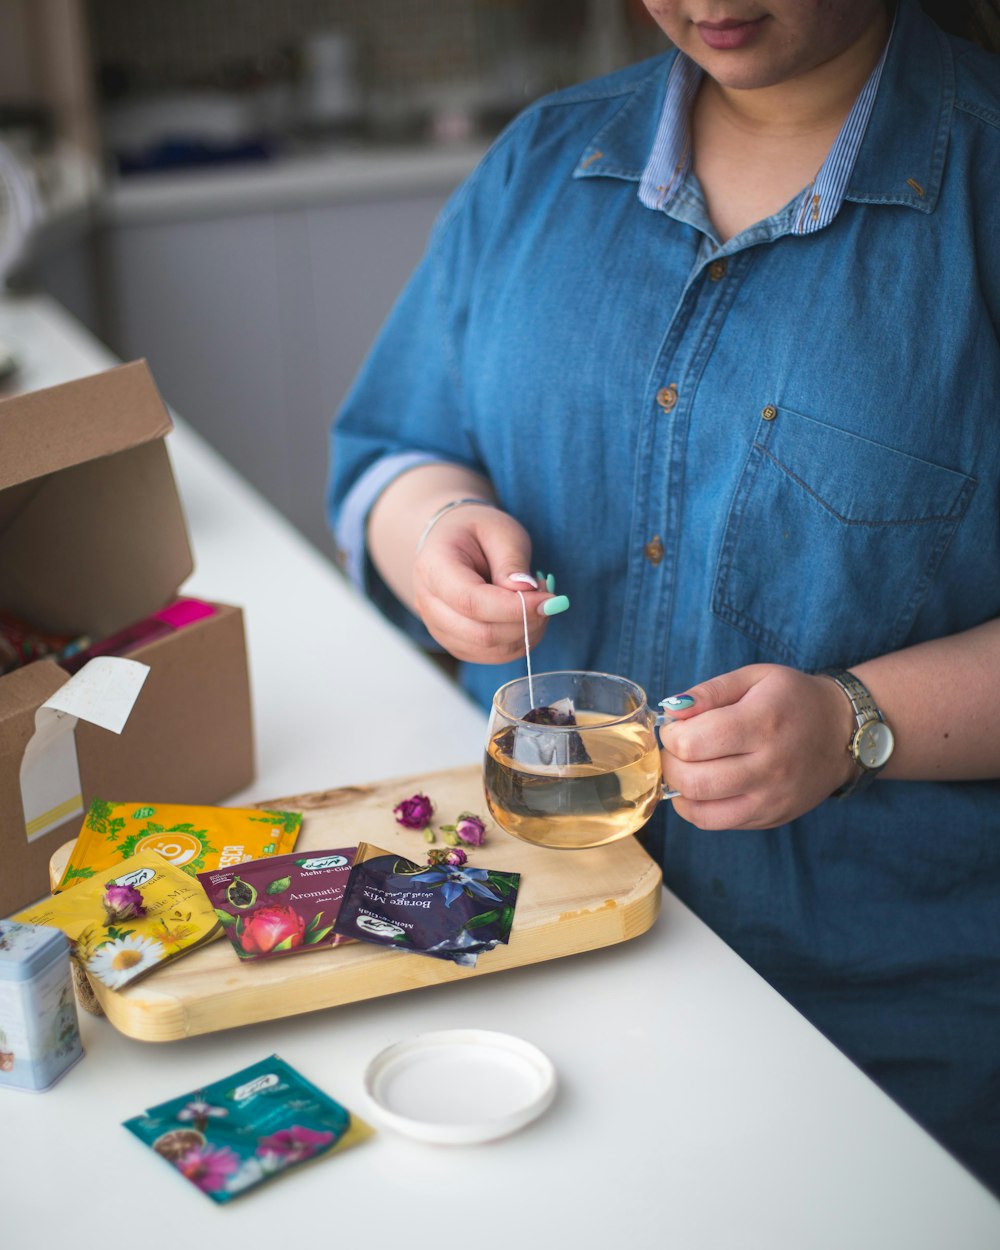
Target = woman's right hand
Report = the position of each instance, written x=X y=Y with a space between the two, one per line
x=462 y=587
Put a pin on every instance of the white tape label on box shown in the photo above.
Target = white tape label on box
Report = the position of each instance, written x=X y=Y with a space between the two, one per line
x=103 y=692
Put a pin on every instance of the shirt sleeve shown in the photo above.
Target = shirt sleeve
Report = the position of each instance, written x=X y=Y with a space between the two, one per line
x=352 y=517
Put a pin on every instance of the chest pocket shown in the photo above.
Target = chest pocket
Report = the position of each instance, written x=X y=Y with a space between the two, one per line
x=832 y=542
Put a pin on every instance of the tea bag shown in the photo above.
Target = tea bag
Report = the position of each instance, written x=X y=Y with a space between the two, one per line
x=234 y=1134
x=175 y=916
x=195 y=839
x=282 y=905
x=447 y=912
x=551 y=750
x=541 y=750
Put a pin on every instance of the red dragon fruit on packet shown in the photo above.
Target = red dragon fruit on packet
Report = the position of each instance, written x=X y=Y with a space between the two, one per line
x=282 y=905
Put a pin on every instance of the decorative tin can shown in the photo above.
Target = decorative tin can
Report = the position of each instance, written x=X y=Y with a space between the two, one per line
x=39 y=1031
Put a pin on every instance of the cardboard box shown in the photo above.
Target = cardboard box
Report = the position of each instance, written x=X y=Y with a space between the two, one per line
x=93 y=538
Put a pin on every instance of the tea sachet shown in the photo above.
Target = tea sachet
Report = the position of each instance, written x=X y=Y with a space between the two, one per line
x=234 y=1134
x=557 y=749
x=126 y=920
x=195 y=839
x=447 y=912
x=282 y=905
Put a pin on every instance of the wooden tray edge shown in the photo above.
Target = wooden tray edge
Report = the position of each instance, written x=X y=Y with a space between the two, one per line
x=146 y=1015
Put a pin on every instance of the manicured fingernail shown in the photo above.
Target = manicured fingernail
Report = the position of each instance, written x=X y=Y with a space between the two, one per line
x=550 y=583
x=552 y=607
x=526 y=578
x=677 y=703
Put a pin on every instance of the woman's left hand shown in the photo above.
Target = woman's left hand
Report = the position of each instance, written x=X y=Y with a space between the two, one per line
x=757 y=747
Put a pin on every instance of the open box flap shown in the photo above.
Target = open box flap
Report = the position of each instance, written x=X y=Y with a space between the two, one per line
x=48 y=430
x=99 y=541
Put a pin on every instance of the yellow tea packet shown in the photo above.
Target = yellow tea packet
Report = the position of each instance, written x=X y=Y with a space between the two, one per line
x=126 y=920
x=196 y=839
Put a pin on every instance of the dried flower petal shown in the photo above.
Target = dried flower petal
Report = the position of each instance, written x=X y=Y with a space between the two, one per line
x=122 y=902
x=455 y=857
x=470 y=829
x=414 y=812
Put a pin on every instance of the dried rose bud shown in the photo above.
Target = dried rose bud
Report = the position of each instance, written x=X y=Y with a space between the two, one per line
x=414 y=812
x=122 y=902
x=470 y=829
x=455 y=857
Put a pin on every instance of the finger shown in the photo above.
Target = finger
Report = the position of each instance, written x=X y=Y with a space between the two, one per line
x=506 y=551
x=468 y=638
x=461 y=579
x=707 y=782
x=712 y=735
x=721 y=691
x=739 y=812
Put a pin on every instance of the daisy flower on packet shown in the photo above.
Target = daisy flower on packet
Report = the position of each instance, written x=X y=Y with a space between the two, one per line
x=128 y=919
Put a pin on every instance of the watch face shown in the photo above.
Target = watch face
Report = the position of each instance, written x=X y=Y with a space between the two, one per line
x=873 y=744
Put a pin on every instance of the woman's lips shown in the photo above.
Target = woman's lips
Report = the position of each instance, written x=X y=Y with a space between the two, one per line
x=732 y=33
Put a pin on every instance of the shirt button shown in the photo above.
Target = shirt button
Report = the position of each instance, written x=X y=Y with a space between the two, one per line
x=769 y=413
x=717 y=269
x=653 y=550
x=666 y=396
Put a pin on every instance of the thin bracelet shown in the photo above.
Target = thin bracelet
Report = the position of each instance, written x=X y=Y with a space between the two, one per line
x=445 y=508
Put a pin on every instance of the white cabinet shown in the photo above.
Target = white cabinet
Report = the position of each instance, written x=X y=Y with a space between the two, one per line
x=256 y=317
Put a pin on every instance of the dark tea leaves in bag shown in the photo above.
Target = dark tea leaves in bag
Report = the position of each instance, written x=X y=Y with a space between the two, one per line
x=445 y=911
x=558 y=750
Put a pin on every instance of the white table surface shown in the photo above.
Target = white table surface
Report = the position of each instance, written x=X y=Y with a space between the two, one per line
x=696 y=1109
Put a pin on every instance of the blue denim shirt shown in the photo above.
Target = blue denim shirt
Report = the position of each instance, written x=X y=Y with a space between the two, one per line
x=781 y=448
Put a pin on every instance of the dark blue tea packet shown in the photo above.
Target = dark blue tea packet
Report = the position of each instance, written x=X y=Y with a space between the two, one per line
x=249 y=1128
x=447 y=912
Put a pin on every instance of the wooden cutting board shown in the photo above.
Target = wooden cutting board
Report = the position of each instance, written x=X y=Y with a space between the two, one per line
x=569 y=901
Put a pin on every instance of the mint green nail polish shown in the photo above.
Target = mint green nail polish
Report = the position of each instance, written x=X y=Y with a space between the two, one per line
x=550 y=583
x=539 y=575
x=677 y=703
x=552 y=607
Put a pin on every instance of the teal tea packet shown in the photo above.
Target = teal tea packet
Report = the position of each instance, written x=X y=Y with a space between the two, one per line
x=445 y=911
x=239 y=1132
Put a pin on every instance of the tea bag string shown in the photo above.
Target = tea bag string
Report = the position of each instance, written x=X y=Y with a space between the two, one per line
x=527 y=645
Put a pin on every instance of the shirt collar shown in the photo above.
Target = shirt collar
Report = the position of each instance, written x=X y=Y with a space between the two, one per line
x=890 y=149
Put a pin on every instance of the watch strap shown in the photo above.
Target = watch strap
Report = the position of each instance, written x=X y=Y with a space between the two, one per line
x=865 y=711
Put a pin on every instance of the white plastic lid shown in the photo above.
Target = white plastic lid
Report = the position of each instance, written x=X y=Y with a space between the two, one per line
x=460 y=1086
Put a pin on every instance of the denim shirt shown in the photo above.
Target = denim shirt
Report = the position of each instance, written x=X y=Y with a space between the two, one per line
x=781 y=448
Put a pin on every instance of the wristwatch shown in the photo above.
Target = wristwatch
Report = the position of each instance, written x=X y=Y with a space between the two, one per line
x=872 y=741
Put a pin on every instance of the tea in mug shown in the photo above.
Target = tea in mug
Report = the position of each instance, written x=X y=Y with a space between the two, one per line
x=563 y=797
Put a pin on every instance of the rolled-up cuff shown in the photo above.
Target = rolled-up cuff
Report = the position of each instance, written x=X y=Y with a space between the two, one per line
x=353 y=520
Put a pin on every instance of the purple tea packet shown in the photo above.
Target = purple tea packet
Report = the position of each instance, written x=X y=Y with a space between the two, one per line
x=282 y=905
x=446 y=912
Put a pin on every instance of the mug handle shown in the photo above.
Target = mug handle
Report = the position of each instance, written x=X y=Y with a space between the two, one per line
x=658 y=722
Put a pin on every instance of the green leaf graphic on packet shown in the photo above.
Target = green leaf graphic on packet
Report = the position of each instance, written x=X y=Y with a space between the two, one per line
x=194 y=839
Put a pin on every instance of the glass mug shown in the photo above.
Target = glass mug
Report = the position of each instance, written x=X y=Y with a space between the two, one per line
x=573 y=786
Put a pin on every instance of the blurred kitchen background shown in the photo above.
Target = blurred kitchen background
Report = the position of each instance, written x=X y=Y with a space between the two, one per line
x=238 y=189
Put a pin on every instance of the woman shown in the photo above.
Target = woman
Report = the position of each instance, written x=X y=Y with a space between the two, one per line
x=715 y=337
